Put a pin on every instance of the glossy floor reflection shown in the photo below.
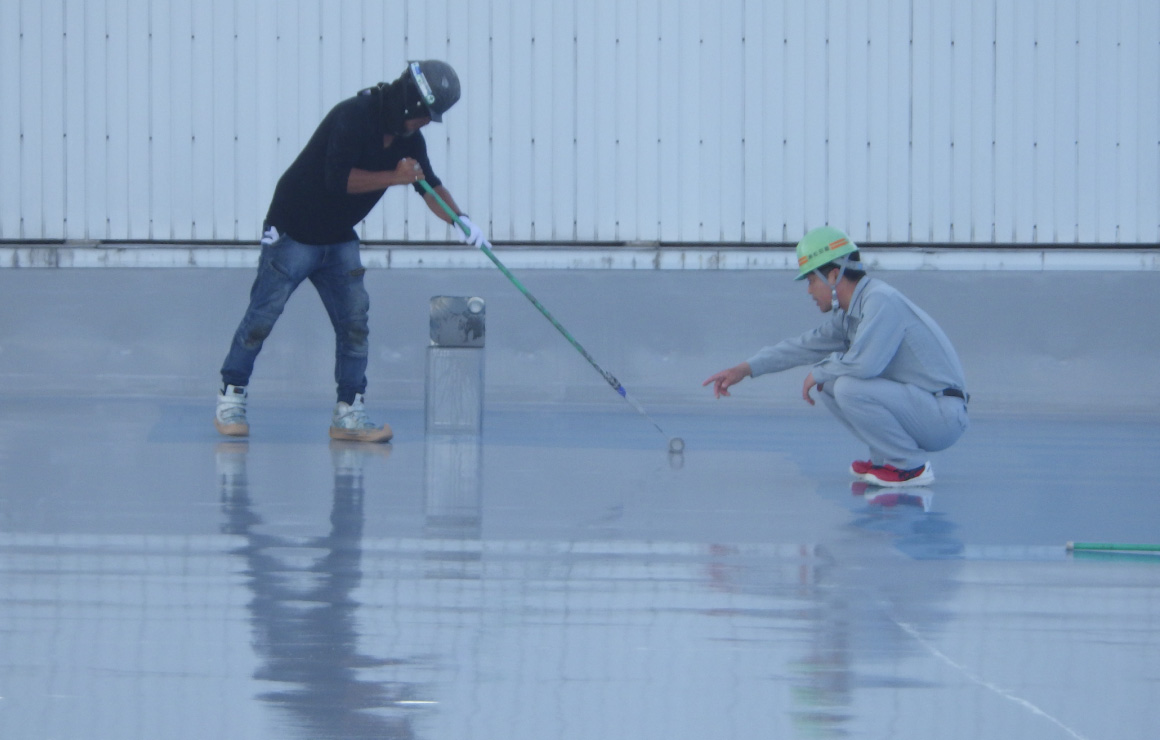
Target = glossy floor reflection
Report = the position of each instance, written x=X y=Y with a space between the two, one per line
x=561 y=576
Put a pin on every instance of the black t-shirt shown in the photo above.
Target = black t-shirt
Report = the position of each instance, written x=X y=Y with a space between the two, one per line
x=310 y=203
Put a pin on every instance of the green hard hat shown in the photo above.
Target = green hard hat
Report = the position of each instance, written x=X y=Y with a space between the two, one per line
x=820 y=246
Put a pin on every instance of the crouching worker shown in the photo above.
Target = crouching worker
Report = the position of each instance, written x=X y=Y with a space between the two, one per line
x=880 y=363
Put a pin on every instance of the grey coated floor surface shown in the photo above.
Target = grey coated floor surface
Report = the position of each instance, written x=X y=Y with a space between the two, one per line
x=560 y=575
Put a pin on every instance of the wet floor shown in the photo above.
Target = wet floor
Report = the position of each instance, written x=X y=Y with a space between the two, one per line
x=560 y=575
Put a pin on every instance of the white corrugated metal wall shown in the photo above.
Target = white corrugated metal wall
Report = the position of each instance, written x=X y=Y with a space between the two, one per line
x=927 y=121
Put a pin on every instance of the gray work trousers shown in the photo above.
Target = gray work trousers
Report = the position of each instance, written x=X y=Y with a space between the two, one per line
x=900 y=423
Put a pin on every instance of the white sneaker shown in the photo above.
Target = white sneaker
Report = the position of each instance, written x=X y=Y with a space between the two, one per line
x=230 y=418
x=350 y=423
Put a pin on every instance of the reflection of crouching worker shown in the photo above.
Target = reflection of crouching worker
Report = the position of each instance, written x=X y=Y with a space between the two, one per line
x=881 y=364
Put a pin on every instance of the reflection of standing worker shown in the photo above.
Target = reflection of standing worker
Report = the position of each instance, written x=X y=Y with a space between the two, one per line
x=881 y=364
x=303 y=613
x=366 y=144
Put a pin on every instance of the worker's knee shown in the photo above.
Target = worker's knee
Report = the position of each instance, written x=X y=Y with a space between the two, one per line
x=843 y=389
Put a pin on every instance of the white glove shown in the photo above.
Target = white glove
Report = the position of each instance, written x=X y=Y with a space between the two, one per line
x=474 y=235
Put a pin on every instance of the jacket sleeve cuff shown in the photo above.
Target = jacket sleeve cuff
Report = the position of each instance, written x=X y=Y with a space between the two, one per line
x=758 y=365
x=821 y=376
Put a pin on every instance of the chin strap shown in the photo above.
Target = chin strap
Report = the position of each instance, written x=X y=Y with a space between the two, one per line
x=846 y=263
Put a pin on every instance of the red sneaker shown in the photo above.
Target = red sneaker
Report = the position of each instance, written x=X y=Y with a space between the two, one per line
x=861 y=467
x=888 y=475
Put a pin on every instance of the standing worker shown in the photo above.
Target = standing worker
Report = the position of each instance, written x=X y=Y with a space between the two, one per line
x=880 y=363
x=366 y=144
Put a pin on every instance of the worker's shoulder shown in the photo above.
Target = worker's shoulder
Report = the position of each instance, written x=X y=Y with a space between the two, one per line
x=872 y=287
x=356 y=106
x=874 y=294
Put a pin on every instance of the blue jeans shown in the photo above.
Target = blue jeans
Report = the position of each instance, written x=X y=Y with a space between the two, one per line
x=337 y=274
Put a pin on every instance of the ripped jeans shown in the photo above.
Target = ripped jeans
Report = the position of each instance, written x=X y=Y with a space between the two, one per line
x=337 y=274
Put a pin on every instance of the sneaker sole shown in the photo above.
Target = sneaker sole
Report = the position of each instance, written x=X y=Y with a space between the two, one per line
x=232 y=430
x=362 y=435
x=926 y=478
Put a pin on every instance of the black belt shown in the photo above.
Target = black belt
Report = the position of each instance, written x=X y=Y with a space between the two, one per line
x=952 y=392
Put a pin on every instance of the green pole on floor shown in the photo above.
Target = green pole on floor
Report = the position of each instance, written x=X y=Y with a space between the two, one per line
x=1117 y=546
